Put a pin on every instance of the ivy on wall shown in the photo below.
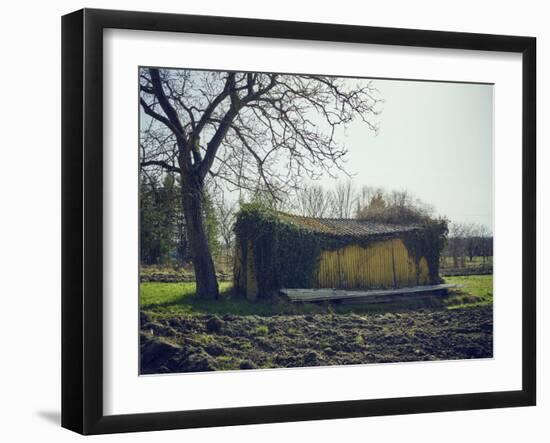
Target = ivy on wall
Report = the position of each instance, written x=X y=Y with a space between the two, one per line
x=286 y=254
x=428 y=242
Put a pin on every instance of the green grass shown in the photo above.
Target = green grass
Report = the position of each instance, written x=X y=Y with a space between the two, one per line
x=448 y=262
x=175 y=269
x=179 y=298
x=261 y=330
x=477 y=290
x=203 y=339
x=169 y=299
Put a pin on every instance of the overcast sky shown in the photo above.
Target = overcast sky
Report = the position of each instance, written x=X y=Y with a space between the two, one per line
x=436 y=141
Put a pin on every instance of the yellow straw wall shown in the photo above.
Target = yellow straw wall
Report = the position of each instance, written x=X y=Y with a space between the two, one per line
x=385 y=264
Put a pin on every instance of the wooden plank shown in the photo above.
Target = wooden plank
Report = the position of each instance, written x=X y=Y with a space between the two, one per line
x=302 y=294
x=384 y=299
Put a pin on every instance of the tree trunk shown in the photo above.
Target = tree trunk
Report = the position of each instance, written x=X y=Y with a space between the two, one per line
x=205 y=274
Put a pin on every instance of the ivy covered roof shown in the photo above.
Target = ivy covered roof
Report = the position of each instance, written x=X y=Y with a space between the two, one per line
x=345 y=227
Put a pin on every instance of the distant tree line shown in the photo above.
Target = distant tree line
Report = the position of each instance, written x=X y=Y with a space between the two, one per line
x=163 y=232
x=367 y=203
x=466 y=241
x=164 y=237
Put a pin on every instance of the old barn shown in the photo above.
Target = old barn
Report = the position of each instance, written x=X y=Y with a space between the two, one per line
x=278 y=250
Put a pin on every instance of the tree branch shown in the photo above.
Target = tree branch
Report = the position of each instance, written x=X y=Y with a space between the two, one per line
x=149 y=111
x=215 y=142
x=213 y=105
x=168 y=109
x=160 y=163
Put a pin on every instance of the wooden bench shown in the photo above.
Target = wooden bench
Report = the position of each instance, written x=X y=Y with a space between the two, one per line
x=363 y=296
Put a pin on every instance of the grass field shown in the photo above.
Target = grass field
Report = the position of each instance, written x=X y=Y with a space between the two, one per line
x=477 y=290
x=168 y=299
x=448 y=262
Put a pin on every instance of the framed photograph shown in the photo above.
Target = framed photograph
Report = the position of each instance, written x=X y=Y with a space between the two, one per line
x=270 y=221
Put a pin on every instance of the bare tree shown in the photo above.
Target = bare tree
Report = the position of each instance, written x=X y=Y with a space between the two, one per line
x=468 y=240
x=485 y=240
x=457 y=243
x=367 y=196
x=470 y=231
x=400 y=199
x=226 y=212
x=399 y=207
x=244 y=128
x=343 y=200
x=313 y=201
x=478 y=241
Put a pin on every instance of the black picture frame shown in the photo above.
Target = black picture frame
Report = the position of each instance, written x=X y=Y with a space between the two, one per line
x=82 y=215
